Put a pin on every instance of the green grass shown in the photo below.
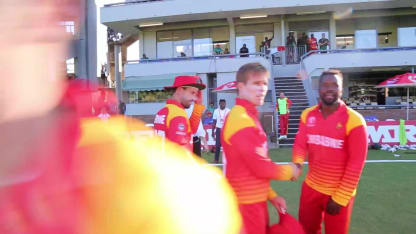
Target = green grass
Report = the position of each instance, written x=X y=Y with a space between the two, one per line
x=386 y=197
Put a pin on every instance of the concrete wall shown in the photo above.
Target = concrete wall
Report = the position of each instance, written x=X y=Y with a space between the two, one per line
x=212 y=65
x=163 y=10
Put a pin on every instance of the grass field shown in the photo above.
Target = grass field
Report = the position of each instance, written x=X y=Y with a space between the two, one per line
x=386 y=197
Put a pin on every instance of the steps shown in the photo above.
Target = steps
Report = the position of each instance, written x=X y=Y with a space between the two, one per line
x=293 y=88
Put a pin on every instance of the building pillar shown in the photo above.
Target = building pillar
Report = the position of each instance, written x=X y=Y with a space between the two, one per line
x=332 y=32
x=117 y=74
x=277 y=31
x=232 y=35
x=284 y=25
x=141 y=44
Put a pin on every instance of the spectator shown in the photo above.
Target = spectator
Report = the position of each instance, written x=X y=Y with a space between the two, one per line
x=144 y=56
x=323 y=43
x=244 y=51
x=208 y=119
x=103 y=75
x=211 y=108
x=218 y=49
x=226 y=51
x=267 y=42
x=312 y=42
x=122 y=108
x=291 y=45
x=183 y=54
x=219 y=118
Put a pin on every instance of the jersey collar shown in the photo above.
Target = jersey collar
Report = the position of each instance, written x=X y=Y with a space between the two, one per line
x=174 y=102
x=251 y=108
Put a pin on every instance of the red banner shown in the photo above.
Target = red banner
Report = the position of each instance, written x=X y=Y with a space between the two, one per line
x=387 y=132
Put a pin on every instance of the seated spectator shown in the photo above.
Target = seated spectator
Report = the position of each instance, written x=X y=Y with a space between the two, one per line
x=218 y=49
x=208 y=119
x=144 y=56
x=183 y=54
x=244 y=51
x=226 y=51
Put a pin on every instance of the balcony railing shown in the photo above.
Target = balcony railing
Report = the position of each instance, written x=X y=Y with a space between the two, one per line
x=222 y=56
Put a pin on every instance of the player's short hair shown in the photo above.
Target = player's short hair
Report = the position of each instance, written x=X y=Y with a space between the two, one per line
x=222 y=100
x=331 y=72
x=247 y=69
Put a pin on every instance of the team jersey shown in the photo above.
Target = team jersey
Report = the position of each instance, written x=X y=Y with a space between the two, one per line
x=283 y=111
x=248 y=167
x=336 y=148
x=172 y=123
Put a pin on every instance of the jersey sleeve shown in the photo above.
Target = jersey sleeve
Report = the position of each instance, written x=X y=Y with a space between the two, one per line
x=271 y=194
x=196 y=117
x=357 y=148
x=177 y=131
x=299 y=152
x=254 y=153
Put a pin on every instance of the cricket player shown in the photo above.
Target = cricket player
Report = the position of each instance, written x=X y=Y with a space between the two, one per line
x=283 y=105
x=171 y=122
x=248 y=167
x=333 y=138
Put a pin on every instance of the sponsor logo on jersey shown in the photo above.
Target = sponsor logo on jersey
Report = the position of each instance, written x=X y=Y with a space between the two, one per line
x=181 y=127
x=325 y=141
x=339 y=125
x=160 y=119
x=311 y=121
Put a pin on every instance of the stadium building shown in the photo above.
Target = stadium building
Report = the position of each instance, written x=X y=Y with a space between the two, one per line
x=369 y=41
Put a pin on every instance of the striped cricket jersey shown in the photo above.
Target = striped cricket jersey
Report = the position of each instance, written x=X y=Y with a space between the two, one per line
x=336 y=148
x=248 y=167
x=172 y=123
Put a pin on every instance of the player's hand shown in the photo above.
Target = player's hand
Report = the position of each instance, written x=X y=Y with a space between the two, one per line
x=199 y=98
x=332 y=207
x=280 y=204
x=297 y=170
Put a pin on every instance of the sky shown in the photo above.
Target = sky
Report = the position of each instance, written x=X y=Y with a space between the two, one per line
x=132 y=51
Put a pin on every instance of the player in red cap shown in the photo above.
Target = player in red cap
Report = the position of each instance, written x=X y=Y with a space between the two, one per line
x=171 y=122
x=334 y=139
x=248 y=167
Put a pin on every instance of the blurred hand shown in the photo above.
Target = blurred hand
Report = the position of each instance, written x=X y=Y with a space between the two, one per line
x=297 y=171
x=280 y=204
x=332 y=207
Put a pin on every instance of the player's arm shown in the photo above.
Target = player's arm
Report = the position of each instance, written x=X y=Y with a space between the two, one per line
x=196 y=117
x=300 y=147
x=277 y=201
x=177 y=130
x=357 y=148
x=254 y=153
x=289 y=103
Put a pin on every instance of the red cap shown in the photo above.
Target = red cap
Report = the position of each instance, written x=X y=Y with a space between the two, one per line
x=194 y=81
